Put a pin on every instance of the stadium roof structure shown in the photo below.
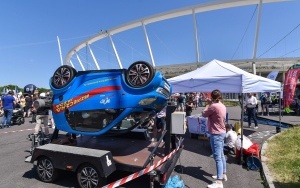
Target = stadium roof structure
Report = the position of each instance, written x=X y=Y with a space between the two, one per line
x=263 y=65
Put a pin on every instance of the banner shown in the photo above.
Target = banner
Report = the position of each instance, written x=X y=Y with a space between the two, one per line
x=272 y=75
x=290 y=83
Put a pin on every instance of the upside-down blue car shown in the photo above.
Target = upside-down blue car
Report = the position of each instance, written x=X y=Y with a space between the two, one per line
x=96 y=102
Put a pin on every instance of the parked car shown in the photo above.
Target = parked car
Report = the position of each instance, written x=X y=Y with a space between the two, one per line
x=97 y=102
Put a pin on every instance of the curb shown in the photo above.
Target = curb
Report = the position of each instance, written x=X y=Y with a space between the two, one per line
x=265 y=170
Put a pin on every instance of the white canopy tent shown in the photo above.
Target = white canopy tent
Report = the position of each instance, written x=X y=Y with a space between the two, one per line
x=223 y=76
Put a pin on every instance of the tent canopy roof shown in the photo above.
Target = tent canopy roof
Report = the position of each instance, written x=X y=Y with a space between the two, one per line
x=223 y=76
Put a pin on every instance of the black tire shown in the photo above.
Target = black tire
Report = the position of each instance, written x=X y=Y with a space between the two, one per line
x=139 y=74
x=20 y=120
x=63 y=76
x=88 y=176
x=45 y=170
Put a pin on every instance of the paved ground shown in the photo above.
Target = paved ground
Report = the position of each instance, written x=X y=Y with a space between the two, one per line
x=195 y=166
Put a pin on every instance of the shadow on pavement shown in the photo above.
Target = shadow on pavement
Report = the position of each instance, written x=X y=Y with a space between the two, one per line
x=68 y=179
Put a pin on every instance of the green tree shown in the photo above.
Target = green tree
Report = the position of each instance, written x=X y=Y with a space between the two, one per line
x=13 y=87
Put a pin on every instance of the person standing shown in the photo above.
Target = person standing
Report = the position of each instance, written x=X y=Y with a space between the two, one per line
x=189 y=108
x=180 y=102
x=251 y=110
x=265 y=102
x=8 y=103
x=160 y=123
x=22 y=102
x=41 y=118
x=28 y=105
x=200 y=100
x=215 y=112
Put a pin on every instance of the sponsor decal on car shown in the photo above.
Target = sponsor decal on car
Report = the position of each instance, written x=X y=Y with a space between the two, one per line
x=106 y=100
x=57 y=108
x=99 y=81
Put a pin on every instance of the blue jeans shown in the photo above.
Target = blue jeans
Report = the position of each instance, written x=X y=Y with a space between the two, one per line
x=7 y=117
x=217 y=145
x=251 y=112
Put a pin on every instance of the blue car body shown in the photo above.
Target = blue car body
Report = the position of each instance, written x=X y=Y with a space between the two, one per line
x=106 y=97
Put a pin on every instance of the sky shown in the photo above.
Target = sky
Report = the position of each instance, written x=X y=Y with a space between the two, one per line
x=29 y=52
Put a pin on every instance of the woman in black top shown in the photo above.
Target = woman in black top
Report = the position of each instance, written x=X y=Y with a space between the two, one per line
x=189 y=108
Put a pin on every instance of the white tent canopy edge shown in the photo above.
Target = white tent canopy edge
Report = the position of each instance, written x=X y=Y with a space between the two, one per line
x=223 y=76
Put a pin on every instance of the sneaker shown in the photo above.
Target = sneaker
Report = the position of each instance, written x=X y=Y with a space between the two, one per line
x=153 y=140
x=215 y=185
x=256 y=127
x=224 y=177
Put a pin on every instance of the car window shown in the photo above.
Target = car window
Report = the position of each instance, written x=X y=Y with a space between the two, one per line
x=133 y=120
x=92 y=120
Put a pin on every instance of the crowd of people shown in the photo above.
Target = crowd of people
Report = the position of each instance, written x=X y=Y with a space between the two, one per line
x=11 y=101
x=188 y=102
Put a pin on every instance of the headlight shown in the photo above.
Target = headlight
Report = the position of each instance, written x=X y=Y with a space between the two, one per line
x=163 y=91
x=147 y=101
x=167 y=87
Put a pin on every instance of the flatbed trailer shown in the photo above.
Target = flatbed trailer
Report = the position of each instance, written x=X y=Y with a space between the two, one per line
x=93 y=159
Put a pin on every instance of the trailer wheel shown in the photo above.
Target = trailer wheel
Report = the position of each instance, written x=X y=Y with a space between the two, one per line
x=45 y=170
x=88 y=176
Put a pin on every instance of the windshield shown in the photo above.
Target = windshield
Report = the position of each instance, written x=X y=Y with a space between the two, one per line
x=96 y=120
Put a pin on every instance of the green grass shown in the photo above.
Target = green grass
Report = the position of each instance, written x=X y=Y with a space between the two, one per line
x=231 y=103
x=283 y=155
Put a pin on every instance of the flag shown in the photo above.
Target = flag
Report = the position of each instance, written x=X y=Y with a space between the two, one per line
x=272 y=75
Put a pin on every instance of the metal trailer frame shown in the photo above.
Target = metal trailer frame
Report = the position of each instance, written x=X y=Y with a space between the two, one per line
x=106 y=153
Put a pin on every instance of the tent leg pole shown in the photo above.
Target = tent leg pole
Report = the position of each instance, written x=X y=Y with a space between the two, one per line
x=242 y=126
x=278 y=128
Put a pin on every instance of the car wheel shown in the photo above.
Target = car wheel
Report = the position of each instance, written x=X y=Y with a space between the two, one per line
x=139 y=74
x=63 y=76
x=45 y=170
x=22 y=120
x=18 y=122
x=88 y=176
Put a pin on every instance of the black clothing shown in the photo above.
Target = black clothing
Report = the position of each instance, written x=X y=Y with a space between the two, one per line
x=28 y=102
x=42 y=111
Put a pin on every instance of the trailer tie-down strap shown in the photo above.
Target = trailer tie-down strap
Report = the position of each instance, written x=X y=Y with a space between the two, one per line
x=142 y=172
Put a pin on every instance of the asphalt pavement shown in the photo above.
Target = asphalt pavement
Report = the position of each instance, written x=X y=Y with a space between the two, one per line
x=195 y=165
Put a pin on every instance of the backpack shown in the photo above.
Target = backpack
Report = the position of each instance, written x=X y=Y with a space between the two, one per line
x=253 y=163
